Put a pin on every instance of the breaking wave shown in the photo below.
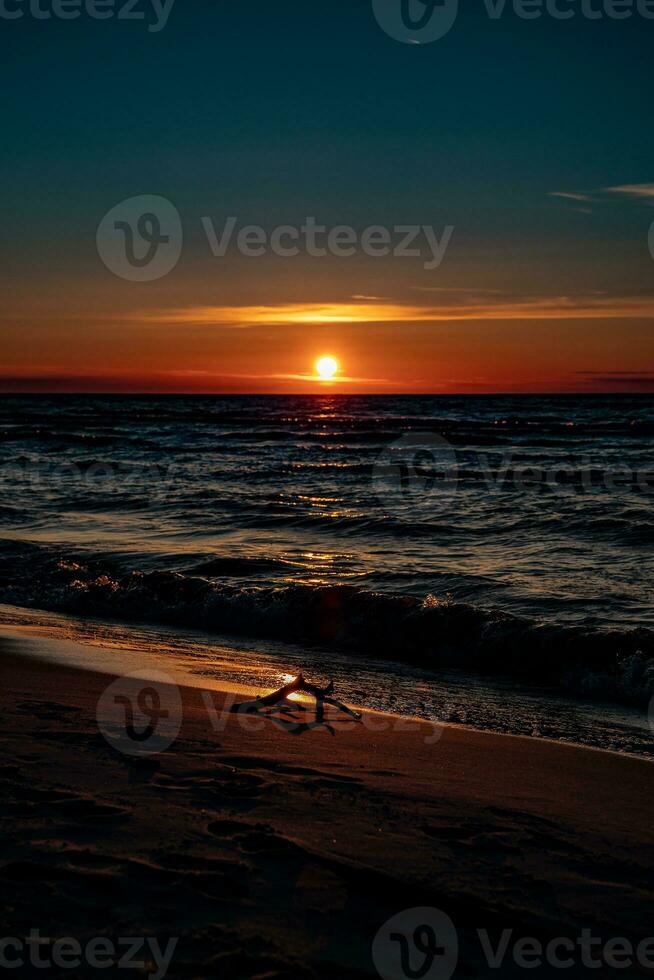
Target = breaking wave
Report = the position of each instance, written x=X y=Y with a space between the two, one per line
x=429 y=632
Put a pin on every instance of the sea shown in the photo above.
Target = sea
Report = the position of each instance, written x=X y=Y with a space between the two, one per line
x=482 y=560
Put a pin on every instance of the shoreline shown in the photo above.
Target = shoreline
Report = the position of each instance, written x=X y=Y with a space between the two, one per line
x=200 y=660
x=222 y=689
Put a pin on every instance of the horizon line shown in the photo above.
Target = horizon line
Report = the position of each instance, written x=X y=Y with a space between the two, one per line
x=457 y=393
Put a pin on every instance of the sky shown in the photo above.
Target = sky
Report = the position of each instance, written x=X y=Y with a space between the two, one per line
x=525 y=147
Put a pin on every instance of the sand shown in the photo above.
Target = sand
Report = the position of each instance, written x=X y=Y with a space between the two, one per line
x=270 y=853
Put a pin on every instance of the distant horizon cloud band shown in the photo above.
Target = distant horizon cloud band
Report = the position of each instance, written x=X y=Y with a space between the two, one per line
x=341 y=329
x=537 y=308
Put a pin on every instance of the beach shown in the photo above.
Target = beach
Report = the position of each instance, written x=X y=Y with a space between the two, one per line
x=272 y=853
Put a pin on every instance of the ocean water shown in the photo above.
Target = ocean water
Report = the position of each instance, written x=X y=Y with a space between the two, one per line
x=505 y=537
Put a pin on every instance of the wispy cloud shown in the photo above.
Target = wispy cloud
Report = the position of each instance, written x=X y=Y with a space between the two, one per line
x=337 y=380
x=638 y=380
x=593 y=307
x=571 y=196
x=633 y=190
x=472 y=291
x=641 y=192
x=55 y=379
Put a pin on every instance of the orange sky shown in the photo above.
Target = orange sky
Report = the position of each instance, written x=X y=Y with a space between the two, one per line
x=442 y=356
x=99 y=333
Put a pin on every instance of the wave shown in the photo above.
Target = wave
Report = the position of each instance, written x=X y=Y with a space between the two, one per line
x=235 y=566
x=431 y=632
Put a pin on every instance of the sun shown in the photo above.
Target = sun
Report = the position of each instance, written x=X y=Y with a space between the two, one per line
x=326 y=368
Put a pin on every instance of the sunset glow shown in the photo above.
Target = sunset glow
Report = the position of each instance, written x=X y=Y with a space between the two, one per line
x=496 y=265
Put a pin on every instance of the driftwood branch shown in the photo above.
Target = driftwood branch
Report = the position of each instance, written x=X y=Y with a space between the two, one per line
x=323 y=696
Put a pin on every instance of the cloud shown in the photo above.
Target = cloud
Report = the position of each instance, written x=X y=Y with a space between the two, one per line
x=570 y=196
x=632 y=190
x=54 y=380
x=593 y=307
x=642 y=192
x=644 y=379
x=338 y=379
x=473 y=291
x=638 y=380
